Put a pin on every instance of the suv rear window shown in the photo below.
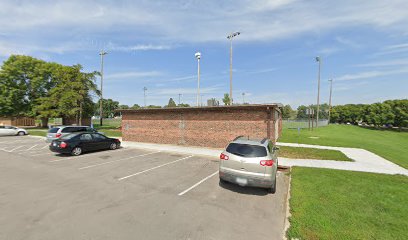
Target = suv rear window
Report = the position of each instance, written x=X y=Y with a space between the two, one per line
x=73 y=129
x=53 y=130
x=246 y=150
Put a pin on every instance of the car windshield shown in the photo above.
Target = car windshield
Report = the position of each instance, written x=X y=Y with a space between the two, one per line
x=68 y=136
x=53 y=130
x=246 y=150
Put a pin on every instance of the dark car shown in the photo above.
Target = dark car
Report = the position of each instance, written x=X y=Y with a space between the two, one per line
x=77 y=143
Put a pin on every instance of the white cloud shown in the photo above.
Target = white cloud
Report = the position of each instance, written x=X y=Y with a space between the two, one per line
x=388 y=63
x=138 y=47
x=200 y=21
x=370 y=74
x=132 y=75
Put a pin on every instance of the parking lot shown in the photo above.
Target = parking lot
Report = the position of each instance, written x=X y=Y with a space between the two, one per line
x=128 y=194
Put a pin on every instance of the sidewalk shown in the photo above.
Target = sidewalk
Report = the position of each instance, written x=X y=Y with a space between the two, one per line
x=364 y=161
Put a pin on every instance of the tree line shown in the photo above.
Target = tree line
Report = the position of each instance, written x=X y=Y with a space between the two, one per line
x=390 y=112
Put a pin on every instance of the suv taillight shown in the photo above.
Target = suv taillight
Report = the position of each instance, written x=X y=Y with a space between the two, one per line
x=58 y=135
x=224 y=157
x=63 y=145
x=267 y=163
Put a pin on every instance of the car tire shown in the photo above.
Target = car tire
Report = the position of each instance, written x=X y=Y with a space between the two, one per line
x=76 y=151
x=222 y=181
x=273 y=188
x=113 y=146
x=21 y=133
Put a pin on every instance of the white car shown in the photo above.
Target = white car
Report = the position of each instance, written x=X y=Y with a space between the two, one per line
x=12 y=131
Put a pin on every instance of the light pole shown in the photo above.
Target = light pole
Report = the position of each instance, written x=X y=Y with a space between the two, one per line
x=198 y=56
x=230 y=37
x=102 y=53
x=330 y=98
x=179 y=98
x=243 y=98
x=319 y=60
x=144 y=95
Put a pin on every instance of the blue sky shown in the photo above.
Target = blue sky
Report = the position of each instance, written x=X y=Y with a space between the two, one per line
x=363 y=46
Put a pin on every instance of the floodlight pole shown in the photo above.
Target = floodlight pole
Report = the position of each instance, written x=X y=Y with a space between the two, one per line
x=230 y=37
x=102 y=54
x=144 y=95
x=179 y=98
x=243 y=98
x=330 y=98
x=198 y=56
x=318 y=59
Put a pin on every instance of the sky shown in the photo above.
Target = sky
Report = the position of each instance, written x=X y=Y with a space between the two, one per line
x=363 y=46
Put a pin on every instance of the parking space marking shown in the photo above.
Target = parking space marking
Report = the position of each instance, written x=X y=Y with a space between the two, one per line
x=35 y=145
x=14 y=148
x=104 y=163
x=150 y=169
x=86 y=155
x=195 y=185
x=39 y=154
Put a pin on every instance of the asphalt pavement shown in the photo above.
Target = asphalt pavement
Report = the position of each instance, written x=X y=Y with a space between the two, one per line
x=128 y=194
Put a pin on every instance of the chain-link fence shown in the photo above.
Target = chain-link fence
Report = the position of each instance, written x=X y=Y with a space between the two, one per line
x=303 y=123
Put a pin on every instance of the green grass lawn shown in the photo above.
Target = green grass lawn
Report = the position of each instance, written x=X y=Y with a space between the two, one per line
x=312 y=153
x=37 y=132
x=334 y=204
x=388 y=144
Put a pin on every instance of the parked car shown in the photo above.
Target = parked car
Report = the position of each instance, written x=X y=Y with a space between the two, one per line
x=59 y=131
x=250 y=162
x=78 y=143
x=12 y=131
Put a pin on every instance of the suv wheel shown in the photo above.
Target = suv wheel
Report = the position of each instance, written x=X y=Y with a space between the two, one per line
x=76 y=151
x=273 y=188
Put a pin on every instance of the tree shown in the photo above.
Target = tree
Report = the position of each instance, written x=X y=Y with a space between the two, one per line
x=301 y=112
x=287 y=111
x=226 y=99
x=153 y=106
x=71 y=97
x=171 y=103
x=183 y=105
x=23 y=80
x=123 y=106
x=135 y=106
x=109 y=106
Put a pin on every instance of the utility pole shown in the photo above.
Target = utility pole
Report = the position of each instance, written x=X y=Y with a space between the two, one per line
x=179 y=98
x=102 y=54
x=318 y=59
x=144 y=95
x=198 y=56
x=243 y=98
x=230 y=37
x=330 y=98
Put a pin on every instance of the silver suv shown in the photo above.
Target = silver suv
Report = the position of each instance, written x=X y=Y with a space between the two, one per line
x=250 y=162
x=59 y=131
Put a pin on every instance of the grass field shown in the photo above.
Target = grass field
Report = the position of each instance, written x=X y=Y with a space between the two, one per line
x=334 y=204
x=388 y=144
x=312 y=153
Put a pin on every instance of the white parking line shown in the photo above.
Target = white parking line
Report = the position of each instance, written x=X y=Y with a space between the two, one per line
x=15 y=148
x=35 y=145
x=195 y=185
x=48 y=153
x=150 y=169
x=86 y=155
x=100 y=164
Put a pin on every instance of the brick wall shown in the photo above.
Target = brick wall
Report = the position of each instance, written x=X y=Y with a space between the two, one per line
x=206 y=126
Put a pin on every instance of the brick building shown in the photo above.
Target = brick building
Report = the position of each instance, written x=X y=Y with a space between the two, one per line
x=201 y=126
